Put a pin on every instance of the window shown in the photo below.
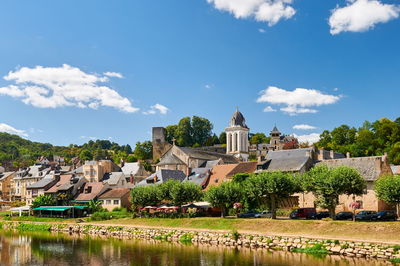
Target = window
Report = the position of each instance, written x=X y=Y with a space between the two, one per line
x=116 y=202
x=108 y=202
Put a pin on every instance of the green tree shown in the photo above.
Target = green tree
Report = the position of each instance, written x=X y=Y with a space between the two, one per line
x=145 y=195
x=201 y=130
x=224 y=196
x=43 y=200
x=222 y=138
x=184 y=133
x=94 y=206
x=131 y=158
x=387 y=188
x=327 y=184
x=144 y=150
x=185 y=192
x=86 y=155
x=272 y=187
x=394 y=154
x=259 y=138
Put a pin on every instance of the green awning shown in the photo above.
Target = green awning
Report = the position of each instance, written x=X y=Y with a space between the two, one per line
x=58 y=208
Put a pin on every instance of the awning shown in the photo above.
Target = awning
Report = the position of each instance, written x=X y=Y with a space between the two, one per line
x=58 y=208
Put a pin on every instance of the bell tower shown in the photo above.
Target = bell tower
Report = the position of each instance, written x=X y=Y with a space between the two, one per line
x=237 y=137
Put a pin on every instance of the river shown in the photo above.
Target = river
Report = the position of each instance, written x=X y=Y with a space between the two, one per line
x=63 y=249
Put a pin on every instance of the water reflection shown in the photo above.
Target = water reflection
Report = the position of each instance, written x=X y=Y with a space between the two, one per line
x=62 y=249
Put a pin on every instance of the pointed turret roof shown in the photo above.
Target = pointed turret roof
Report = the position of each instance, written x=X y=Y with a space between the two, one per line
x=238 y=119
x=275 y=130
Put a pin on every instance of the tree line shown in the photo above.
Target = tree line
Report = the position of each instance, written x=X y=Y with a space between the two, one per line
x=376 y=138
x=260 y=190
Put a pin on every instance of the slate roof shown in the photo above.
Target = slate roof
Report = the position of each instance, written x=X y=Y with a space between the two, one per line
x=367 y=166
x=288 y=160
x=130 y=168
x=115 y=193
x=275 y=130
x=170 y=159
x=113 y=177
x=199 y=176
x=208 y=155
x=238 y=120
x=47 y=180
x=2 y=169
x=4 y=175
x=395 y=169
x=211 y=164
x=163 y=175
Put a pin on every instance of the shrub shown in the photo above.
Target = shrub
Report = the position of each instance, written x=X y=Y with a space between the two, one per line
x=235 y=235
x=186 y=238
x=100 y=216
x=317 y=249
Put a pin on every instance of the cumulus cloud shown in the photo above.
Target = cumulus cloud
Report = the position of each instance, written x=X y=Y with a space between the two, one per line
x=52 y=87
x=361 y=15
x=310 y=138
x=269 y=109
x=113 y=75
x=303 y=127
x=157 y=108
x=297 y=101
x=11 y=130
x=270 y=11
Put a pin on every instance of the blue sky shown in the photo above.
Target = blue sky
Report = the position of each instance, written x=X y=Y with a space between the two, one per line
x=149 y=63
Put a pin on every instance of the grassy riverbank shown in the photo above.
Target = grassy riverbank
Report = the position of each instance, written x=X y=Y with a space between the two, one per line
x=363 y=231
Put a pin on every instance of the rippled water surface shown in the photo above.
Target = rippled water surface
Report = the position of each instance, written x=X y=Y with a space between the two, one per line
x=61 y=249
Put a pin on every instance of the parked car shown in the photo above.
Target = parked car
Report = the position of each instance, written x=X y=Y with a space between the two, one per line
x=249 y=214
x=264 y=214
x=303 y=213
x=344 y=216
x=365 y=215
x=321 y=215
x=385 y=216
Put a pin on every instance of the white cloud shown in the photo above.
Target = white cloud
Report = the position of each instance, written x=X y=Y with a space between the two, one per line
x=157 y=108
x=208 y=86
x=310 y=138
x=52 y=87
x=303 y=127
x=270 y=11
x=269 y=109
x=113 y=75
x=11 y=130
x=361 y=15
x=297 y=101
x=89 y=137
x=261 y=30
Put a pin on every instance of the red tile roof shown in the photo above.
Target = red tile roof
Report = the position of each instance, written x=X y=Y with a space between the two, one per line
x=90 y=191
x=64 y=179
x=115 y=193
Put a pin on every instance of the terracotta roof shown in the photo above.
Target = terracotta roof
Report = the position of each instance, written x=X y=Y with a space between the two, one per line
x=219 y=173
x=90 y=191
x=246 y=167
x=64 y=179
x=115 y=193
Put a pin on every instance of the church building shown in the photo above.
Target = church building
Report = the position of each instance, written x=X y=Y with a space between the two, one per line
x=237 y=137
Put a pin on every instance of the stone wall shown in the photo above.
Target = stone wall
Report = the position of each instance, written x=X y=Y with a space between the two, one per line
x=234 y=239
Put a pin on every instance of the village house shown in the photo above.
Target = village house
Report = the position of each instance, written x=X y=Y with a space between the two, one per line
x=6 y=179
x=134 y=172
x=115 y=198
x=66 y=188
x=223 y=173
x=26 y=177
x=370 y=168
x=162 y=176
x=94 y=171
x=90 y=191
x=38 y=188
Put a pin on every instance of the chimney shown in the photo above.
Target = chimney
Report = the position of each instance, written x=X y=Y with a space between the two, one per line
x=321 y=154
x=347 y=155
x=131 y=179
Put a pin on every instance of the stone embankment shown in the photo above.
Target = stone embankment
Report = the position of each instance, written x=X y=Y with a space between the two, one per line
x=234 y=239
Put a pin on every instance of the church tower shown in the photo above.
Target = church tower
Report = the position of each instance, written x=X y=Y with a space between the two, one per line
x=275 y=141
x=237 y=137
